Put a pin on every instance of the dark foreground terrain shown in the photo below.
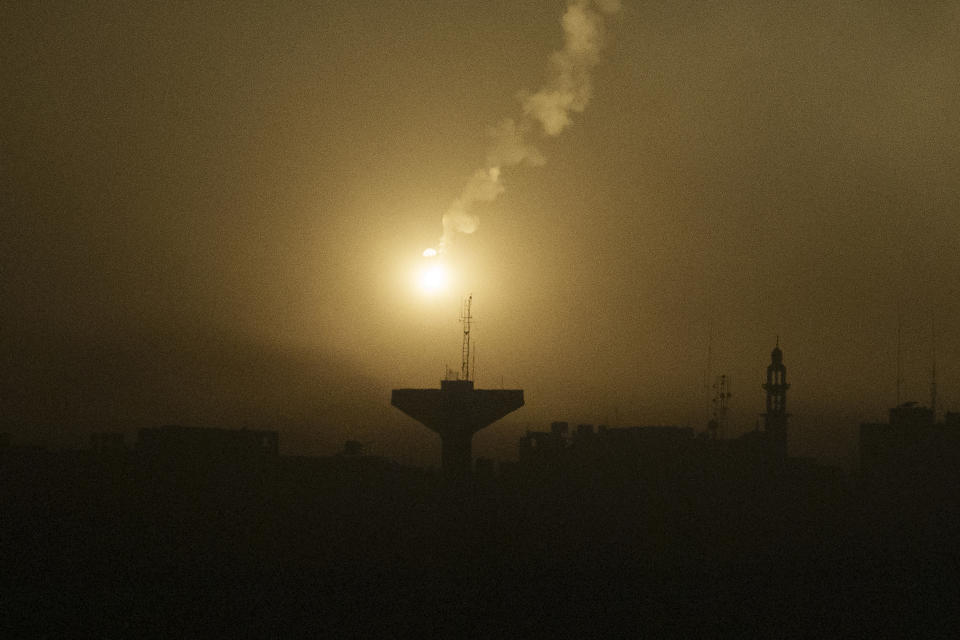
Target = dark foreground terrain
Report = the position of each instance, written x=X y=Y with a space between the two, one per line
x=97 y=545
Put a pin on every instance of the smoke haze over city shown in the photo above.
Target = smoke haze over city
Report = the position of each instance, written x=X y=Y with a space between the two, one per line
x=214 y=215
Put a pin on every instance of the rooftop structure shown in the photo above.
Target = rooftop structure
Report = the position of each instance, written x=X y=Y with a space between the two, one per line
x=912 y=442
x=192 y=446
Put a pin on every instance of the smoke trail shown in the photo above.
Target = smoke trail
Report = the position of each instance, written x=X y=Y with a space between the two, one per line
x=566 y=92
x=570 y=88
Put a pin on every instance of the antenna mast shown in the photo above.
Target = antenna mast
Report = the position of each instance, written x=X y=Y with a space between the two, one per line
x=899 y=353
x=708 y=372
x=721 y=388
x=933 y=372
x=465 y=318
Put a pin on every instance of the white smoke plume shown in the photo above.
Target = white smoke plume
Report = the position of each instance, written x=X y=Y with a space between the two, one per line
x=566 y=92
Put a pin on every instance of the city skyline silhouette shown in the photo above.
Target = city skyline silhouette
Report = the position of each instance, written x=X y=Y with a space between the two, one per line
x=238 y=248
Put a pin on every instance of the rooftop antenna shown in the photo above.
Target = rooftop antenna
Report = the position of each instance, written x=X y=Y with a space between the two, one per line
x=708 y=372
x=899 y=352
x=466 y=318
x=933 y=371
x=721 y=388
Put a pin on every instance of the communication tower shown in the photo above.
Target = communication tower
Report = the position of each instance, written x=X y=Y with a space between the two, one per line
x=933 y=370
x=721 y=393
x=466 y=319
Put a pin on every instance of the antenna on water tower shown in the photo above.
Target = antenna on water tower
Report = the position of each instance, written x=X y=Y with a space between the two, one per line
x=465 y=318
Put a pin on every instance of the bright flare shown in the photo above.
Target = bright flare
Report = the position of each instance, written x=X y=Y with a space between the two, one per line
x=429 y=253
x=433 y=279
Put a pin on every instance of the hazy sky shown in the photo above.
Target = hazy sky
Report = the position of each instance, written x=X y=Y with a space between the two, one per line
x=213 y=214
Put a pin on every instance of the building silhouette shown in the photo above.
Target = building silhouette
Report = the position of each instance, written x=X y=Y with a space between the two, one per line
x=204 y=449
x=662 y=523
x=664 y=448
x=911 y=444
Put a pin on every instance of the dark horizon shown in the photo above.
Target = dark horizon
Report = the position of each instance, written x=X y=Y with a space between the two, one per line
x=206 y=532
x=203 y=380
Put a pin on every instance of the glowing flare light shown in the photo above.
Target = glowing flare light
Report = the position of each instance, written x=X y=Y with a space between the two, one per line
x=433 y=279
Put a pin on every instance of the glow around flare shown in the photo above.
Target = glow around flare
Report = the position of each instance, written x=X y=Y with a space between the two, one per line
x=433 y=279
x=429 y=253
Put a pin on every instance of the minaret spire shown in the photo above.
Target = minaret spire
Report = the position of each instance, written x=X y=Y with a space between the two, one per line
x=775 y=418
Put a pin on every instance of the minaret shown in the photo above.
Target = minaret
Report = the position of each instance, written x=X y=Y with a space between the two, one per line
x=775 y=419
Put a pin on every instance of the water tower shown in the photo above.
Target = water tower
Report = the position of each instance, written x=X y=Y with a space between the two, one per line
x=456 y=410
